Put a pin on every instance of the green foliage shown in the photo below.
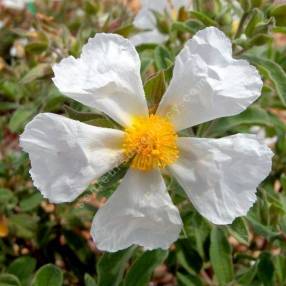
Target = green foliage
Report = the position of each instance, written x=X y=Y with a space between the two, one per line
x=220 y=256
x=23 y=267
x=112 y=276
x=48 y=275
x=275 y=73
x=9 y=280
x=43 y=244
x=140 y=272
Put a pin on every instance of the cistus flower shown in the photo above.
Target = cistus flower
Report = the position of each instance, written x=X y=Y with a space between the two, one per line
x=219 y=176
x=146 y=20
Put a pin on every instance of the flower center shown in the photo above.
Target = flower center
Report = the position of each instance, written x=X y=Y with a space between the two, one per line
x=151 y=142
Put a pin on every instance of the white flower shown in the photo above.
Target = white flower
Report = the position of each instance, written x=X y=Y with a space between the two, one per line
x=146 y=20
x=15 y=4
x=220 y=176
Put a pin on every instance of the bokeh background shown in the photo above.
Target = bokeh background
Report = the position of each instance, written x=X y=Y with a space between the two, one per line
x=47 y=244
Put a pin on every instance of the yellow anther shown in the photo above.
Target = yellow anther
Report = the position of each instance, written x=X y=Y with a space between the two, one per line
x=151 y=142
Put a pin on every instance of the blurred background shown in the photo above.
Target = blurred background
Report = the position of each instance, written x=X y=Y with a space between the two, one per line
x=47 y=244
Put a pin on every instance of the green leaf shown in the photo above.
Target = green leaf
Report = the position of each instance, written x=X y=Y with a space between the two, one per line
x=262 y=229
x=91 y=8
x=10 y=90
x=111 y=266
x=97 y=119
x=254 y=18
x=280 y=266
x=181 y=27
x=188 y=250
x=274 y=72
x=162 y=58
x=48 y=275
x=53 y=102
x=246 y=277
x=201 y=230
x=9 y=280
x=88 y=280
x=5 y=106
x=204 y=18
x=23 y=267
x=7 y=198
x=195 y=25
x=112 y=177
x=81 y=116
x=19 y=118
x=278 y=10
x=125 y=30
x=188 y=280
x=162 y=23
x=282 y=180
x=265 y=269
x=220 y=256
x=23 y=225
x=36 y=47
x=256 y=3
x=259 y=40
x=154 y=89
x=31 y=202
x=245 y=5
x=279 y=29
x=146 y=62
x=254 y=115
x=239 y=230
x=37 y=72
x=141 y=271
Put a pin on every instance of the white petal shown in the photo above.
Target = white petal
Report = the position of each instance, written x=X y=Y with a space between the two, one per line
x=220 y=176
x=66 y=155
x=145 y=20
x=139 y=212
x=208 y=83
x=149 y=37
x=157 y=5
x=106 y=77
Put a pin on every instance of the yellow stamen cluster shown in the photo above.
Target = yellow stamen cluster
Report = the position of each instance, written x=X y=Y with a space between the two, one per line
x=151 y=142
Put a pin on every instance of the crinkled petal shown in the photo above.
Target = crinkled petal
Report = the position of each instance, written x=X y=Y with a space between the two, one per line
x=208 y=83
x=220 y=176
x=106 y=77
x=139 y=212
x=66 y=155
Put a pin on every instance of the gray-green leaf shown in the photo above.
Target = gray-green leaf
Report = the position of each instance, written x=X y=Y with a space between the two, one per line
x=48 y=275
x=111 y=267
x=141 y=271
x=220 y=256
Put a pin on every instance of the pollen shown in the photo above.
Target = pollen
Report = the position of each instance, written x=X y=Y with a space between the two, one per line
x=151 y=142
